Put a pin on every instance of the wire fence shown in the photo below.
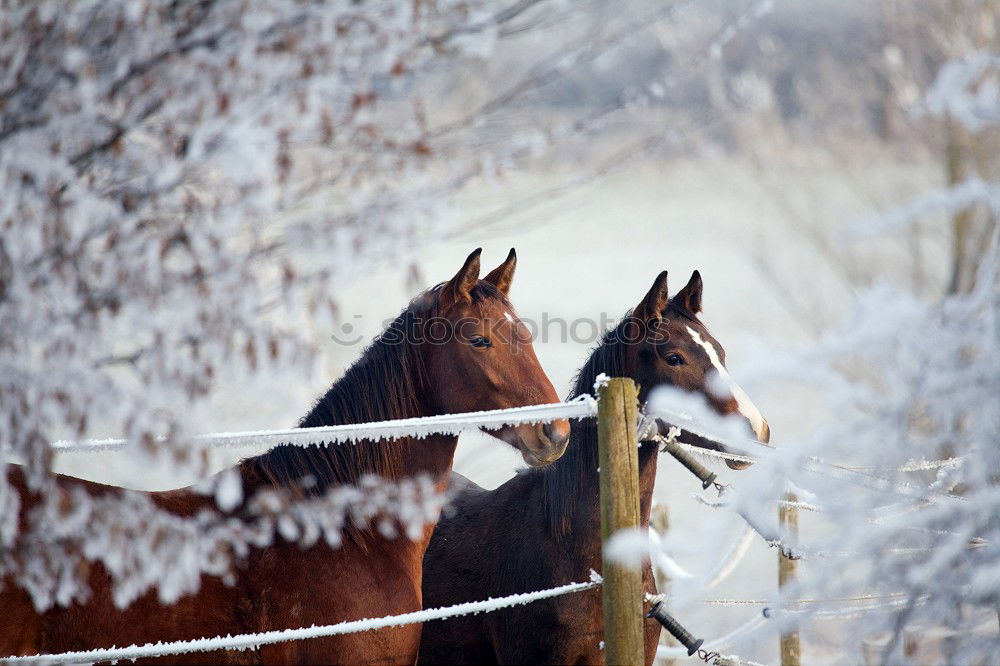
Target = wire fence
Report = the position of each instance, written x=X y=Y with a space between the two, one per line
x=454 y=424
x=447 y=424
x=255 y=641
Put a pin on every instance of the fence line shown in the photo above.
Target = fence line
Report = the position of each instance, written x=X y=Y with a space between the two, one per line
x=848 y=611
x=815 y=464
x=583 y=406
x=859 y=599
x=799 y=553
x=856 y=475
x=709 y=651
x=254 y=641
x=687 y=423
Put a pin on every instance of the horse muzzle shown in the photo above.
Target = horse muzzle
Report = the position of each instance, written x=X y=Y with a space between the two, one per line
x=544 y=443
x=763 y=434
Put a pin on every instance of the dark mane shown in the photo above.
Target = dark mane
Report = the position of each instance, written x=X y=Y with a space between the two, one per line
x=385 y=383
x=567 y=479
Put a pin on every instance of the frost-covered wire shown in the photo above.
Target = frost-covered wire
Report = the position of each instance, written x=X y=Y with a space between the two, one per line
x=849 y=611
x=816 y=464
x=100 y=525
x=798 y=551
x=853 y=606
x=583 y=406
x=859 y=599
x=254 y=641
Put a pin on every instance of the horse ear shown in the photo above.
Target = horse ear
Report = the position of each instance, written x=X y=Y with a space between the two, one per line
x=690 y=296
x=501 y=276
x=459 y=288
x=655 y=302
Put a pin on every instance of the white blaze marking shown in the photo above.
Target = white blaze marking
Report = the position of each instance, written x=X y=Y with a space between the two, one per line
x=509 y=318
x=743 y=402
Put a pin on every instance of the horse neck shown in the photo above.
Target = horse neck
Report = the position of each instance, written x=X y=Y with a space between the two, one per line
x=572 y=483
x=648 y=455
x=582 y=506
x=388 y=395
x=387 y=383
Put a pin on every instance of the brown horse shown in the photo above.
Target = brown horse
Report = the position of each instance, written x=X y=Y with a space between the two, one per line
x=478 y=357
x=479 y=551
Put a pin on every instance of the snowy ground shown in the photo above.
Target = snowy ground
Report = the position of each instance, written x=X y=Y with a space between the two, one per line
x=596 y=251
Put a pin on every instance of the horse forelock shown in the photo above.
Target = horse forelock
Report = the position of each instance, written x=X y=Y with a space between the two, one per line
x=482 y=291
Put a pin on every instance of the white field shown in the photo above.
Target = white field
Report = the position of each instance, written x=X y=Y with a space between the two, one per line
x=596 y=250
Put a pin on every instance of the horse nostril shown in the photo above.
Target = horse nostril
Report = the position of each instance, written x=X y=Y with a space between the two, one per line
x=557 y=436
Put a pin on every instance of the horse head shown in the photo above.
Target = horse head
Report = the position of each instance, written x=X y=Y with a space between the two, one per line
x=479 y=356
x=676 y=349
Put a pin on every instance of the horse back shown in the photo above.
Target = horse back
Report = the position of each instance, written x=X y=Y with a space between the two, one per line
x=474 y=554
x=496 y=543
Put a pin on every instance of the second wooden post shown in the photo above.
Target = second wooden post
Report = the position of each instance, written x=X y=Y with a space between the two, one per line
x=788 y=520
x=617 y=420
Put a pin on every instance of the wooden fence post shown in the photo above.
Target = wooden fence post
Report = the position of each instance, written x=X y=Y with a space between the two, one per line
x=617 y=420
x=788 y=523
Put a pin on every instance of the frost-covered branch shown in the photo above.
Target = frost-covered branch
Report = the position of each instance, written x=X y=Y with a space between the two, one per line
x=906 y=379
x=143 y=546
x=182 y=182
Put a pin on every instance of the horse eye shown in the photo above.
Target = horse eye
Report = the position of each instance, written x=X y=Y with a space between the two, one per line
x=480 y=341
x=674 y=359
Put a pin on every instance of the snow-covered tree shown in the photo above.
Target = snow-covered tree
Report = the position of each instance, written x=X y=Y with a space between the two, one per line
x=905 y=466
x=165 y=169
x=182 y=181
